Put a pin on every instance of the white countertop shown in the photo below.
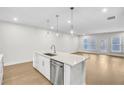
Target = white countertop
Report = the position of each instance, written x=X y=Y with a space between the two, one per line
x=66 y=58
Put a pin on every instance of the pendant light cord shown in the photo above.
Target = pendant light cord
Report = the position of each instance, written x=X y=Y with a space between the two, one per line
x=72 y=26
x=48 y=21
x=57 y=22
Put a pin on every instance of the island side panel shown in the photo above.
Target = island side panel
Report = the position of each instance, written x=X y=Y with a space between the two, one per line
x=75 y=75
x=84 y=72
x=67 y=74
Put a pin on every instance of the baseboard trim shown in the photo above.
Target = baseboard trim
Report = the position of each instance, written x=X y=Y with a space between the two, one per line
x=14 y=63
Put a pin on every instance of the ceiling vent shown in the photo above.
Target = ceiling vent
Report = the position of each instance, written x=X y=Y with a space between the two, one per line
x=111 y=18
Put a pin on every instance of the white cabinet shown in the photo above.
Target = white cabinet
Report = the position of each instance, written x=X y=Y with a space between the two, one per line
x=47 y=68
x=1 y=69
x=42 y=64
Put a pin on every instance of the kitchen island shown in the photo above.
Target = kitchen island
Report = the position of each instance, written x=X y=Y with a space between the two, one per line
x=73 y=67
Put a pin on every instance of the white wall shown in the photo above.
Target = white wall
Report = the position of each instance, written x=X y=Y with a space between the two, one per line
x=18 y=42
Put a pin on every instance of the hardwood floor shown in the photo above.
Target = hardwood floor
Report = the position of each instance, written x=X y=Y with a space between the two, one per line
x=23 y=74
x=100 y=69
x=104 y=70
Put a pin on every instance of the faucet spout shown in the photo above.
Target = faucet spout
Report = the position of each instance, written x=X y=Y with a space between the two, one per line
x=53 y=48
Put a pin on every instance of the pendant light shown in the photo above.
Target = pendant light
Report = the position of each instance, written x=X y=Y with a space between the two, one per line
x=72 y=25
x=57 y=32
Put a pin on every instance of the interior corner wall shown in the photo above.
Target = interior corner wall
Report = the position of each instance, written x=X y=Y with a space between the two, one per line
x=18 y=42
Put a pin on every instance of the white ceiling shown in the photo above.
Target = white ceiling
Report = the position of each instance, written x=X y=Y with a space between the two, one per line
x=86 y=19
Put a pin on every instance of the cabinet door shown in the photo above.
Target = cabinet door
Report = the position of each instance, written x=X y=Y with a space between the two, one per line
x=41 y=64
x=44 y=66
x=1 y=72
x=47 y=68
x=36 y=61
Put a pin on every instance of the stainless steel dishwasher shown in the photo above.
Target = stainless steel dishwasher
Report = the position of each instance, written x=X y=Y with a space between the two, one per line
x=56 y=72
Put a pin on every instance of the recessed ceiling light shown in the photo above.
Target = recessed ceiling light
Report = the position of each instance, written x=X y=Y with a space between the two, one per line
x=51 y=27
x=104 y=10
x=72 y=32
x=69 y=21
x=15 y=19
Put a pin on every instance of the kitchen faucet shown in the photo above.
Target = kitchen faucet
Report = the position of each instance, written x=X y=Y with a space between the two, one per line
x=53 y=46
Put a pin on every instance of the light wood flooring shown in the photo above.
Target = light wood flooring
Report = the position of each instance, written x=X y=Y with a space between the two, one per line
x=104 y=70
x=23 y=74
x=100 y=70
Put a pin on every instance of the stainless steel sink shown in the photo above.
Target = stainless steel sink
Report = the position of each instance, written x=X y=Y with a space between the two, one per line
x=49 y=54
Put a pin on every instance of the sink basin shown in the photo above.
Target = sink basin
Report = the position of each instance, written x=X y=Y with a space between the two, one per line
x=49 y=54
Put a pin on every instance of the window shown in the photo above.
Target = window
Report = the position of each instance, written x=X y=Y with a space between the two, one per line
x=116 y=44
x=90 y=44
x=85 y=44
